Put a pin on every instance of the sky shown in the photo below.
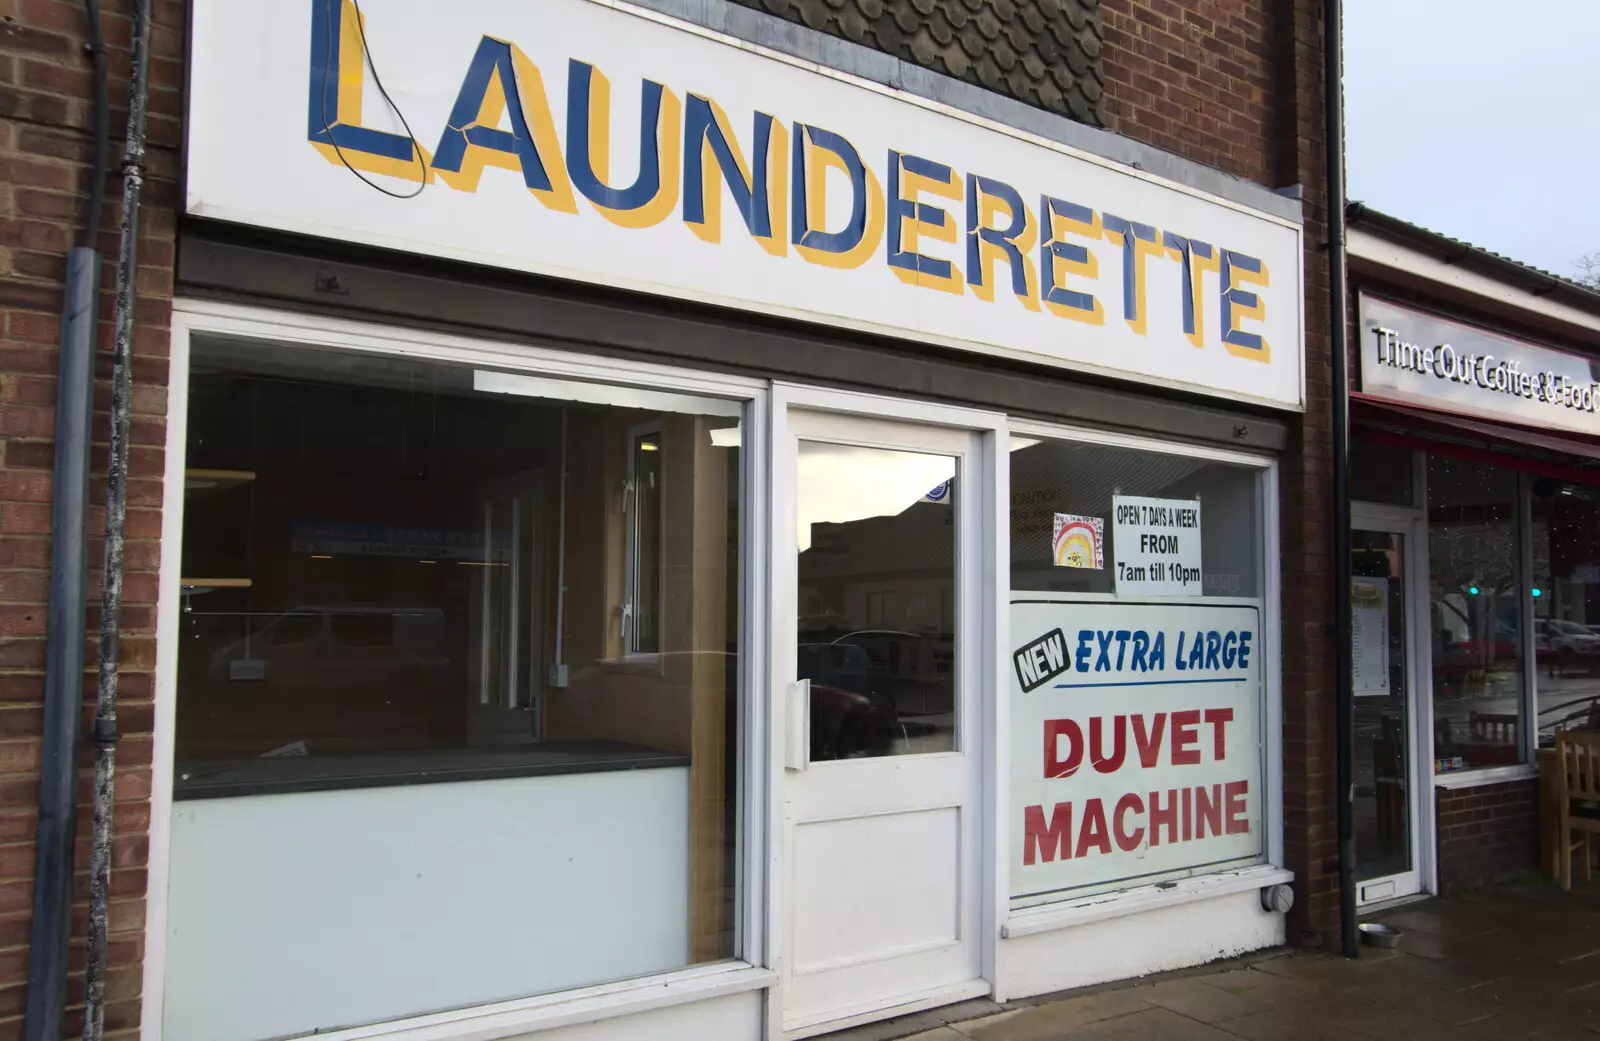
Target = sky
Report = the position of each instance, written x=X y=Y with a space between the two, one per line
x=1479 y=119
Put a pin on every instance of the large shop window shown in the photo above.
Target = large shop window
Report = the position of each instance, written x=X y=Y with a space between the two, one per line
x=1476 y=625
x=1566 y=605
x=457 y=692
x=1138 y=702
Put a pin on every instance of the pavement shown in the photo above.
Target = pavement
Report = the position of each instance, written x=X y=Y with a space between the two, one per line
x=1511 y=963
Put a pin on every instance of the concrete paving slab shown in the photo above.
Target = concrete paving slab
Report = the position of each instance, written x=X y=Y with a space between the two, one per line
x=1054 y=1020
x=1519 y=963
x=1204 y=1003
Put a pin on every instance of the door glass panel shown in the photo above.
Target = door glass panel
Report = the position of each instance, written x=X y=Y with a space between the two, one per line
x=1382 y=704
x=877 y=599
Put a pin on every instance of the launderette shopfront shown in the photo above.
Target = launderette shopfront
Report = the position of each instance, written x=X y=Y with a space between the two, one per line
x=564 y=634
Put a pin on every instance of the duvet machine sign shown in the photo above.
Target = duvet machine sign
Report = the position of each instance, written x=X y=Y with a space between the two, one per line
x=594 y=142
x=1136 y=743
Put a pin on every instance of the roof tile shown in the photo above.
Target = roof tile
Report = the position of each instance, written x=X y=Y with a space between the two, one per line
x=1041 y=52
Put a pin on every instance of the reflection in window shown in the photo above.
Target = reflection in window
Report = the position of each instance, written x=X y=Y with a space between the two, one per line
x=877 y=588
x=513 y=620
x=1475 y=622
x=1566 y=605
x=642 y=614
x=1051 y=479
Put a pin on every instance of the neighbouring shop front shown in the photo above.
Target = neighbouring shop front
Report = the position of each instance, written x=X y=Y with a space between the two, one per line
x=664 y=537
x=1475 y=589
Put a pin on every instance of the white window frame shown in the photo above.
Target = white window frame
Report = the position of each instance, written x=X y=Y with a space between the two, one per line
x=1102 y=906
x=750 y=971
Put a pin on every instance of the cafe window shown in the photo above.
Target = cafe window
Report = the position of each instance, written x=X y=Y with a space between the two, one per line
x=1139 y=672
x=1565 y=596
x=1382 y=474
x=421 y=761
x=1475 y=622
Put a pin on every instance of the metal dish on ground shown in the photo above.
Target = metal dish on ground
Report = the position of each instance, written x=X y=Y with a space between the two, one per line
x=1377 y=934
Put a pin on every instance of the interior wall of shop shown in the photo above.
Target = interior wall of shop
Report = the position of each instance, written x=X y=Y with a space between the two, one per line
x=1219 y=85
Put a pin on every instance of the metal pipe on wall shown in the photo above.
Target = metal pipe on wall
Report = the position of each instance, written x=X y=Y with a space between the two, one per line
x=1338 y=305
x=105 y=722
x=63 y=686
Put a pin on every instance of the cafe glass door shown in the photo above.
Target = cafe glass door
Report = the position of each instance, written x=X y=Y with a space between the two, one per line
x=1389 y=782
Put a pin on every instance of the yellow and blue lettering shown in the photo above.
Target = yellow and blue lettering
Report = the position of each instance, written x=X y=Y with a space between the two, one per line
x=909 y=176
x=1138 y=242
x=654 y=192
x=338 y=74
x=712 y=154
x=987 y=243
x=815 y=152
x=1197 y=258
x=501 y=83
x=1239 y=303
x=1058 y=258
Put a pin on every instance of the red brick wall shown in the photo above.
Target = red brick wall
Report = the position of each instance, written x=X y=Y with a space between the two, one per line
x=1196 y=77
x=45 y=113
x=1488 y=834
x=1237 y=84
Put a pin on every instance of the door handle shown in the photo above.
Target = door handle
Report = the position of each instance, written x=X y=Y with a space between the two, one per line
x=797 y=726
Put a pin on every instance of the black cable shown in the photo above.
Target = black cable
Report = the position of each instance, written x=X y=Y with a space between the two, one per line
x=102 y=133
x=327 y=126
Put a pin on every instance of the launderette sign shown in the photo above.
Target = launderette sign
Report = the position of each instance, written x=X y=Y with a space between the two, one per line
x=588 y=140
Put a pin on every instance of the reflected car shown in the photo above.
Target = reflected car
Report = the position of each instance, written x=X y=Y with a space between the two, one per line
x=1571 y=637
x=848 y=718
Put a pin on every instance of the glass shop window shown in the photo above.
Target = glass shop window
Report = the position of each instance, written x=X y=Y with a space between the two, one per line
x=1566 y=605
x=1475 y=621
x=1382 y=473
x=1139 y=672
x=457 y=696
x=1064 y=526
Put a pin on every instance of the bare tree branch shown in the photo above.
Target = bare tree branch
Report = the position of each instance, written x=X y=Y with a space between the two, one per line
x=1589 y=270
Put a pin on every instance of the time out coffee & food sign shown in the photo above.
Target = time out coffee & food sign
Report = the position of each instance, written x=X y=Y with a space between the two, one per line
x=601 y=143
x=1420 y=358
x=1135 y=742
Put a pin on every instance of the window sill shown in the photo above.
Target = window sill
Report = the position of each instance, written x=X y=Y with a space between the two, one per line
x=1146 y=898
x=1488 y=775
x=515 y=1018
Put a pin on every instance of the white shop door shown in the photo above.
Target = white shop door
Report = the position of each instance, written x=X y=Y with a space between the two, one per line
x=878 y=651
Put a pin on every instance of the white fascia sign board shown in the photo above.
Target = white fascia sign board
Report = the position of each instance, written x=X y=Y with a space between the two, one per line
x=1420 y=358
x=596 y=142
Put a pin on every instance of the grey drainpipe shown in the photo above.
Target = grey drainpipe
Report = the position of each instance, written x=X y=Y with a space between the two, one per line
x=1339 y=308
x=105 y=719
x=63 y=685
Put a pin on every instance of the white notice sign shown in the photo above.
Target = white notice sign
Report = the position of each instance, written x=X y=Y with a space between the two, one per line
x=1369 y=636
x=1157 y=546
x=1136 y=743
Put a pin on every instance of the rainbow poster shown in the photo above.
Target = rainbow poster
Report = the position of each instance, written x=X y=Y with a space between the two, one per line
x=1079 y=541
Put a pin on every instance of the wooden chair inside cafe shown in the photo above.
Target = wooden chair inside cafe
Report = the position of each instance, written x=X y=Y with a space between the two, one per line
x=1578 y=756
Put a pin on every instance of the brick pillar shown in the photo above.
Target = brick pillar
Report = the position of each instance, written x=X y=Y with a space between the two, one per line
x=45 y=152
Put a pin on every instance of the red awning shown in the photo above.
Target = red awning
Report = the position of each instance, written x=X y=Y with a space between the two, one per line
x=1570 y=456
